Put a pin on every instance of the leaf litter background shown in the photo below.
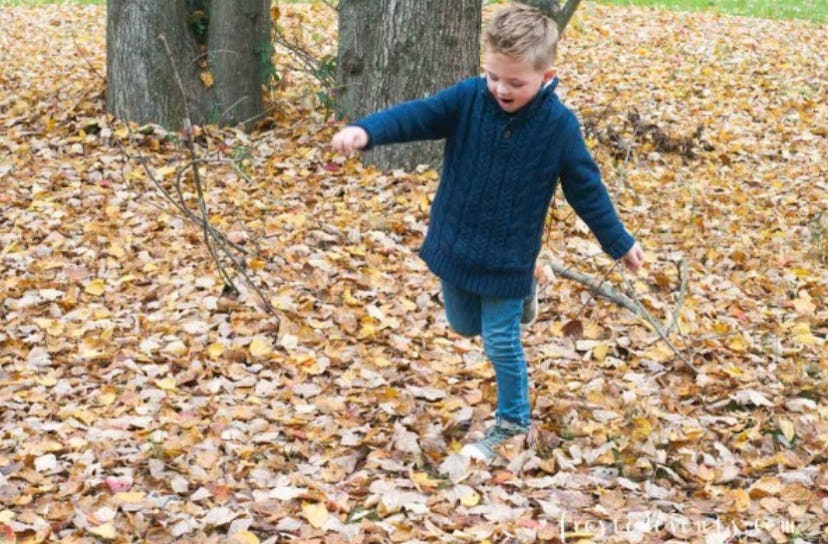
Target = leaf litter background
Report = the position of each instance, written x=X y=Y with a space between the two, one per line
x=138 y=404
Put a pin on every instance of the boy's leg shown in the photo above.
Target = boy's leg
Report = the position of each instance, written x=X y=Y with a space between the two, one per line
x=501 y=341
x=463 y=310
x=503 y=347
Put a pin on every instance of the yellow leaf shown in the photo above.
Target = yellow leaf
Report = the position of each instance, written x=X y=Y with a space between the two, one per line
x=787 y=428
x=733 y=371
x=167 y=384
x=643 y=428
x=261 y=346
x=802 y=335
x=422 y=479
x=96 y=287
x=89 y=351
x=766 y=486
x=215 y=350
x=245 y=537
x=739 y=344
x=349 y=299
x=206 y=78
x=315 y=513
x=470 y=499
x=107 y=531
x=599 y=352
x=116 y=251
x=165 y=171
x=128 y=497
x=381 y=362
x=739 y=500
x=804 y=306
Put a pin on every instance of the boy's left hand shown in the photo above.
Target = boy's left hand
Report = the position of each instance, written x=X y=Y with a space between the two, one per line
x=634 y=258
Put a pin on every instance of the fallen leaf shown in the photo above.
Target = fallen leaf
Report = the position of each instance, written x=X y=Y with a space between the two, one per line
x=315 y=513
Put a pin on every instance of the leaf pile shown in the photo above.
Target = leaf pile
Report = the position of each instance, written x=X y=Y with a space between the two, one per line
x=140 y=404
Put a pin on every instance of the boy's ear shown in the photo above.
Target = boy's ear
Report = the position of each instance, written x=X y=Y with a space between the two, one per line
x=548 y=74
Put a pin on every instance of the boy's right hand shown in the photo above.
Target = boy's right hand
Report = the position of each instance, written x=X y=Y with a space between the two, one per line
x=350 y=139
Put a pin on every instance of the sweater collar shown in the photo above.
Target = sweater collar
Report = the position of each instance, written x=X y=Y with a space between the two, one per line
x=529 y=109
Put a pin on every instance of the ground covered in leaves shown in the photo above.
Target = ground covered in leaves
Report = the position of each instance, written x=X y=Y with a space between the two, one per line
x=140 y=402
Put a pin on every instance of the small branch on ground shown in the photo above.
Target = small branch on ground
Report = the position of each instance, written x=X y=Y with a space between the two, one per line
x=214 y=240
x=188 y=140
x=658 y=328
x=632 y=303
x=599 y=288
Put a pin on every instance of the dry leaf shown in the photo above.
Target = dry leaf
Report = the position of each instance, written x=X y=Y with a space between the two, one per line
x=315 y=513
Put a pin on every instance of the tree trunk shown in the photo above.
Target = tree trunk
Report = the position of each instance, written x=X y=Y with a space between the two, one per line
x=222 y=86
x=240 y=57
x=396 y=50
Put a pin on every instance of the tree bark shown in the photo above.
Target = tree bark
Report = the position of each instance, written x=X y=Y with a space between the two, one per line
x=396 y=50
x=240 y=53
x=222 y=71
x=140 y=86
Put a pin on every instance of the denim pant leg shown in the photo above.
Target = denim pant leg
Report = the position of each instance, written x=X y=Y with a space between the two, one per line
x=462 y=310
x=503 y=347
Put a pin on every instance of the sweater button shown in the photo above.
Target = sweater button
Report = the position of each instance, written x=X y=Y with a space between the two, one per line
x=506 y=134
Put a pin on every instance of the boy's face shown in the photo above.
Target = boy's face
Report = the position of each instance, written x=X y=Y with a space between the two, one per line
x=513 y=82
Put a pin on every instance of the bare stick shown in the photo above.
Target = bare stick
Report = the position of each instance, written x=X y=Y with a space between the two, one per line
x=188 y=132
x=188 y=138
x=599 y=288
x=651 y=320
x=180 y=204
x=681 y=267
x=89 y=64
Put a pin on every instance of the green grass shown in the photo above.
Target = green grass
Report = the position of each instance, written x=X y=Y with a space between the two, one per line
x=813 y=10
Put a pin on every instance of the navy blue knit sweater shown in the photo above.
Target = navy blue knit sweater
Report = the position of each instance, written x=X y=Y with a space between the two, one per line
x=499 y=173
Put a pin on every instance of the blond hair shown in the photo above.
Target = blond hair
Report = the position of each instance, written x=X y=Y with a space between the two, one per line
x=523 y=32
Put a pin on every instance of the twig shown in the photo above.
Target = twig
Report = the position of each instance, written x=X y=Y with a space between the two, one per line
x=599 y=288
x=180 y=204
x=681 y=267
x=661 y=333
x=188 y=132
x=88 y=63
x=188 y=139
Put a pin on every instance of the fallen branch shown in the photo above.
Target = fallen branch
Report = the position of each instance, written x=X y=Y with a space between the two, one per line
x=681 y=268
x=633 y=303
x=209 y=238
x=600 y=289
x=180 y=204
x=188 y=140
x=661 y=333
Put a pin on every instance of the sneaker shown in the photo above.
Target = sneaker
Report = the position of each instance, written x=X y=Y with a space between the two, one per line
x=530 y=306
x=485 y=449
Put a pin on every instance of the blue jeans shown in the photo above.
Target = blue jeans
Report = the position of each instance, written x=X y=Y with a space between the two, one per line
x=498 y=320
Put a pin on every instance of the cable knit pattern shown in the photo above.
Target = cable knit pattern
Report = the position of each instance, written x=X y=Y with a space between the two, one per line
x=499 y=173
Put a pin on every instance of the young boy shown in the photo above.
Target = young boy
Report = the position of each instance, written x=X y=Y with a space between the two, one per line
x=508 y=141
